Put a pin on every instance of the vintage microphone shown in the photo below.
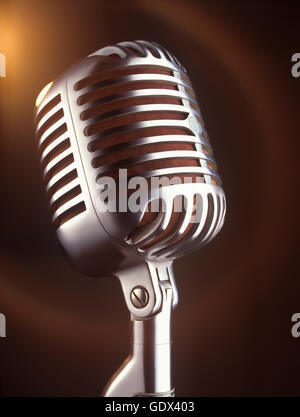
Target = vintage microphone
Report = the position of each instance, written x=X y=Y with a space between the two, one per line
x=127 y=113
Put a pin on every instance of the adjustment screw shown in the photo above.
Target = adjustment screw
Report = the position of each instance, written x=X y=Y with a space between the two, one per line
x=139 y=297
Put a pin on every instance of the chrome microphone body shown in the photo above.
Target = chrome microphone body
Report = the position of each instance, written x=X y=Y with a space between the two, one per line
x=130 y=108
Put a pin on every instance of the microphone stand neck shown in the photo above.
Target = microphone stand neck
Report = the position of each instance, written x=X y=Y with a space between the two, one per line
x=147 y=371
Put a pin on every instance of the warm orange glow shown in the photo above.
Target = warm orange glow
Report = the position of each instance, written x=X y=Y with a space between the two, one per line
x=42 y=94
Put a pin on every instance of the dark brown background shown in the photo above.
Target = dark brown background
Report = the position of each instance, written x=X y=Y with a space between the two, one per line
x=67 y=333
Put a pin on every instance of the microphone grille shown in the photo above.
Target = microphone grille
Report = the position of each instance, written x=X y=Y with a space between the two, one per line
x=179 y=235
x=127 y=106
x=140 y=113
x=57 y=161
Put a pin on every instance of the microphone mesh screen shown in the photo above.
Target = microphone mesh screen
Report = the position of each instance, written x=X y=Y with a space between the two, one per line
x=135 y=117
x=57 y=161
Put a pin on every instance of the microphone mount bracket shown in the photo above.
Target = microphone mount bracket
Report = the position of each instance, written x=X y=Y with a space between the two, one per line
x=150 y=294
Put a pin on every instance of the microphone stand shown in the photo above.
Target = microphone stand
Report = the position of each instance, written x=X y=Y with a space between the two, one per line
x=150 y=294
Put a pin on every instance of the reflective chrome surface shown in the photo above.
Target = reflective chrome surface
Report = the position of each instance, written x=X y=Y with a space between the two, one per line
x=147 y=370
x=130 y=105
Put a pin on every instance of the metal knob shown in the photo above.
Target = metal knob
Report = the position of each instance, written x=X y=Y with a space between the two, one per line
x=139 y=297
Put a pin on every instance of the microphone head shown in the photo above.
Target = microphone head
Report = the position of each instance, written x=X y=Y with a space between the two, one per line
x=127 y=162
